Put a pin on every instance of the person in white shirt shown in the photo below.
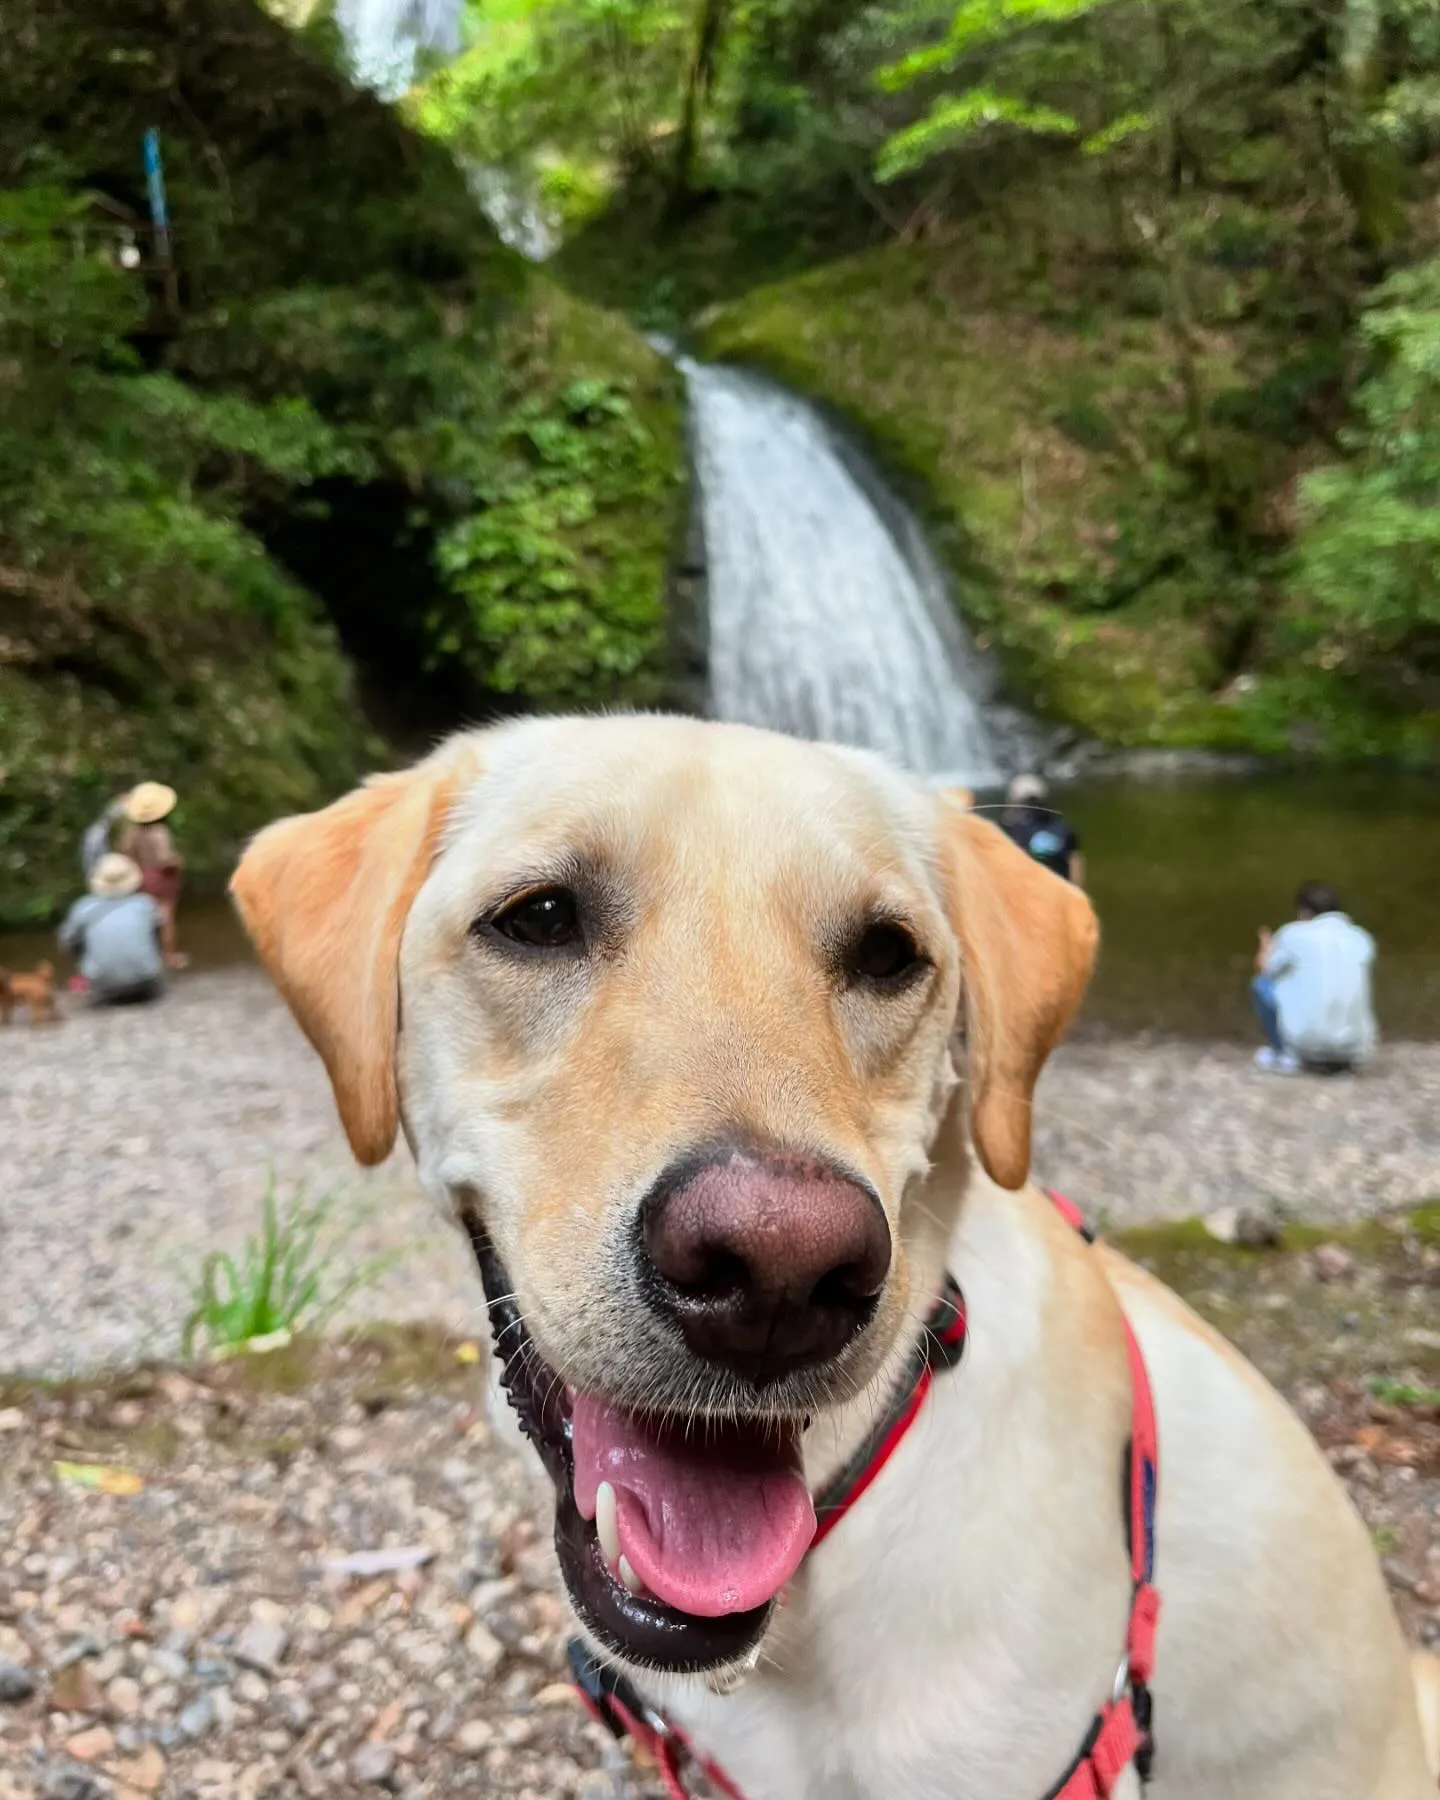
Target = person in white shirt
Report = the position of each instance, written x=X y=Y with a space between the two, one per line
x=1312 y=988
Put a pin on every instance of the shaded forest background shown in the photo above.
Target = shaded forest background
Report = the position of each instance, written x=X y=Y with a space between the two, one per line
x=1139 y=301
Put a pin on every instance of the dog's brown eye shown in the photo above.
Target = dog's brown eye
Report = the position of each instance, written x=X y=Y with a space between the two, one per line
x=547 y=920
x=884 y=953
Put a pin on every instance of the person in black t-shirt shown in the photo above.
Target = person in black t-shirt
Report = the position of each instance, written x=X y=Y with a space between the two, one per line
x=1040 y=831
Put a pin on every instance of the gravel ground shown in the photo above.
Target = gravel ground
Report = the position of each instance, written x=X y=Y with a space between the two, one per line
x=136 y=1140
x=193 y=1640
x=190 y=1635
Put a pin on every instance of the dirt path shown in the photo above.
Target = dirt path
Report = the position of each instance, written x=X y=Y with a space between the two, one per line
x=136 y=1140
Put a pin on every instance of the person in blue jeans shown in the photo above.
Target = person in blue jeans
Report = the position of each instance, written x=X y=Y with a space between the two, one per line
x=1312 y=988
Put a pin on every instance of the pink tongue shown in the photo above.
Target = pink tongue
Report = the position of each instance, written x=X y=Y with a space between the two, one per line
x=714 y=1521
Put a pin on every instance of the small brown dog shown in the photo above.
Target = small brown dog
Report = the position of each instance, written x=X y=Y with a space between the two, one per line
x=36 y=991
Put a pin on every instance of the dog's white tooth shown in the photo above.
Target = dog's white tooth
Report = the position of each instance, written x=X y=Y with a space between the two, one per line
x=629 y=1579
x=607 y=1523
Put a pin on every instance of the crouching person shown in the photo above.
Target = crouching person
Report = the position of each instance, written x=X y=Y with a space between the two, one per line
x=114 y=935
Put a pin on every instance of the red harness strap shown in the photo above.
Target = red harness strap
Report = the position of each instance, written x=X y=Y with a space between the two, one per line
x=1120 y=1732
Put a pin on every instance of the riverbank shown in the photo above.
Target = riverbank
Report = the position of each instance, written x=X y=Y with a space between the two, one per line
x=136 y=1141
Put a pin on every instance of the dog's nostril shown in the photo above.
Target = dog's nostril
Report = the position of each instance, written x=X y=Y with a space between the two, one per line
x=766 y=1265
x=848 y=1286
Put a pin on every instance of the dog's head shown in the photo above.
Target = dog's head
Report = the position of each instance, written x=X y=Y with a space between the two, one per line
x=670 y=1014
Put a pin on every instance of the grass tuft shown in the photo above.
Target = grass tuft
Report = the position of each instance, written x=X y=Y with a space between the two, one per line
x=284 y=1279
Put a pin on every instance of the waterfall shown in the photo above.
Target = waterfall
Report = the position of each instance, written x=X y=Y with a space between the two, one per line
x=829 y=616
x=384 y=38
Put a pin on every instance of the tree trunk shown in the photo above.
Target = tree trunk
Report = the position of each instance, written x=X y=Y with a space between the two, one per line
x=699 y=77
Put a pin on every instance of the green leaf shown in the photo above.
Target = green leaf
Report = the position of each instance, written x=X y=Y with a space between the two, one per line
x=957 y=119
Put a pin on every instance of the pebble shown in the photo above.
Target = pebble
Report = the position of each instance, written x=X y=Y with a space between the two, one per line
x=373 y=1764
x=262 y=1645
x=1332 y=1262
x=16 y=1684
x=484 y=1649
x=123 y=1697
x=66 y=1782
x=198 y=1718
x=474 y=1737
x=91 y=1744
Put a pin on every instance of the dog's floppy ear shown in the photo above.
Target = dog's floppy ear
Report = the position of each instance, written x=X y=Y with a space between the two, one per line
x=1028 y=942
x=324 y=896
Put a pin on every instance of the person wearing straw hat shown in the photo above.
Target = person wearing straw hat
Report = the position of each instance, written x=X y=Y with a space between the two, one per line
x=114 y=935
x=145 y=838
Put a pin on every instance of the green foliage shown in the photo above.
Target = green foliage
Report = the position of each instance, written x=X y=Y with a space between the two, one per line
x=344 y=338
x=1404 y=1393
x=547 y=612
x=284 y=1279
x=1369 y=553
x=958 y=119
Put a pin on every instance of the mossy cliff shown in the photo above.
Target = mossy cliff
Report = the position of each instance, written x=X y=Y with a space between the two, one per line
x=1029 y=403
x=346 y=469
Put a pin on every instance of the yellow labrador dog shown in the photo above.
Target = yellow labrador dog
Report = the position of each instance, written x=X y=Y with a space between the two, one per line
x=721 y=1047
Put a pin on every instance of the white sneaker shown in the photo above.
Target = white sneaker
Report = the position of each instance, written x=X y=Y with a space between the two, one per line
x=1276 y=1062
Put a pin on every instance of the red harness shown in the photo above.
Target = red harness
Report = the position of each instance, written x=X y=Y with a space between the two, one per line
x=1119 y=1734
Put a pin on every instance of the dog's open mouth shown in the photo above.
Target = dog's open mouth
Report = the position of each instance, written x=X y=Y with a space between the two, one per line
x=675 y=1541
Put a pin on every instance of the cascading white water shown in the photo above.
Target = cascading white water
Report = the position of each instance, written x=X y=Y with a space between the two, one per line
x=827 y=619
x=384 y=38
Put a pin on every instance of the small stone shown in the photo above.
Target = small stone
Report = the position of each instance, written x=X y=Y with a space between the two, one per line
x=91 y=1744
x=198 y=1718
x=484 y=1649
x=16 y=1684
x=262 y=1645
x=559 y=1693
x=295 y=1710
x=251 y=1689
x=1332 y=1262
x=168 y=1663
x=224 y=1703
x=373 y=1764
x=107 y=1666
x=474 y=1737
x=11 y=1419
x=123 y=1697
x=67 y=1781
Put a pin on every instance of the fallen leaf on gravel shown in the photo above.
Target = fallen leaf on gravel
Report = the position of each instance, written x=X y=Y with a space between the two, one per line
x=144 y=1772
x=353 y=1608
x=381 y=1562
x=101 y=1477
x=1378 y=1443
x=75 y=1690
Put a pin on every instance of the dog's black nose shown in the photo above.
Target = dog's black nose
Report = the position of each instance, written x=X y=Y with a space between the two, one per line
x=767 y=1264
